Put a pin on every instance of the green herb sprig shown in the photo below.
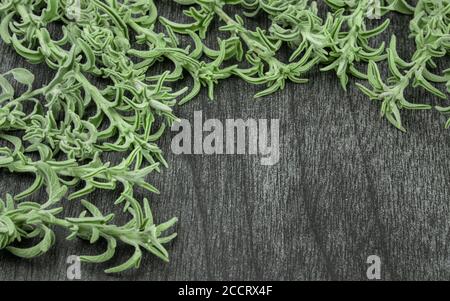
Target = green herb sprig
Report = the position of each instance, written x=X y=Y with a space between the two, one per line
x=430 y=29
x=28 y=220
x=107 y=96
x=69 y=113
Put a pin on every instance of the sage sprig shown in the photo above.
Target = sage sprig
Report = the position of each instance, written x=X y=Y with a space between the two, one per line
x=430 y=29
x=28 y=220
x=352 y=45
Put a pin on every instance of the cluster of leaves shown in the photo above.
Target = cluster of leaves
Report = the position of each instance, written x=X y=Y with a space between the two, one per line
x=295 y=22
x=265 y=68
x=28 y=220
x=71 y=123
x=341 y=43
x=430 y=29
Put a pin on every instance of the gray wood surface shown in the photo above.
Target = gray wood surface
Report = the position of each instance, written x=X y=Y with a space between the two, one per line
x=348 y=185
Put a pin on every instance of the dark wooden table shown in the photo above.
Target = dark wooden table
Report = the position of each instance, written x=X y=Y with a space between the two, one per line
x=348 y=185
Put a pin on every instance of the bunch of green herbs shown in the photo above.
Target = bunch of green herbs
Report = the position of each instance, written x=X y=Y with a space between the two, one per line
x=61 y=132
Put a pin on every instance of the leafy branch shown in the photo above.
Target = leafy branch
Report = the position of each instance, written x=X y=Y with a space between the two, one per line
x=430 y=29
x=74 y=119
x=28 y=220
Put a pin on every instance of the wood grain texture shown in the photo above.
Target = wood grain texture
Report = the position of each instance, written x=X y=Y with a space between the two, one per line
x=348 y=185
